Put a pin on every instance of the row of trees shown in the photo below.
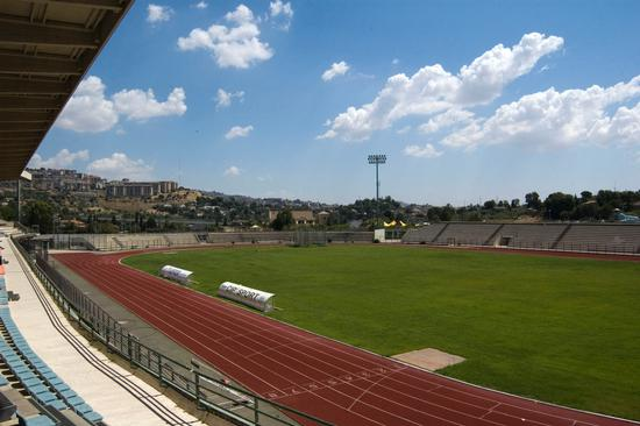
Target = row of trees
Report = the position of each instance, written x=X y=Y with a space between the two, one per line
x=47 y=215
x=587 y=206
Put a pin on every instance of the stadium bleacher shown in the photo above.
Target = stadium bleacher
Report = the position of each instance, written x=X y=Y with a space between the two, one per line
x=560 y=236
x=613 y=238
x=540 y=236
x=617 y=238
x=248 y=237
x=467 y=234
x=135 y=241
x=42 y=399
x=424 y=234
x=182 y=239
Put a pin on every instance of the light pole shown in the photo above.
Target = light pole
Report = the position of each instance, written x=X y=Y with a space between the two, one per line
x=377 y=159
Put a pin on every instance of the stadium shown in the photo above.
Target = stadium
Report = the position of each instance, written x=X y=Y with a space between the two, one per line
x=483 y=323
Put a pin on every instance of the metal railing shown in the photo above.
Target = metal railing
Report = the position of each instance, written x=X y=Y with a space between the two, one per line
x=209 y=393
x=621 y=248
x=113 y=242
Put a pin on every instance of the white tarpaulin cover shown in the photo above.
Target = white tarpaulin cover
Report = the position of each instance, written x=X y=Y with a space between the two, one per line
x=249 y=296
x=176 y=274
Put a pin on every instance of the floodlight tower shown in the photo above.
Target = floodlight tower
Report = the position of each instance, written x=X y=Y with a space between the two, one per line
x=377 y=159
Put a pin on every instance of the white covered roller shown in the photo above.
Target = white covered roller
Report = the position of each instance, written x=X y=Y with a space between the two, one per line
x=175 y=274
x=249 y=296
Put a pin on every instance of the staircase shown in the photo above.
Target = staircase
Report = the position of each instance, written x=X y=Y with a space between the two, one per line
x=440 y=233
x=493 y=235
x=561 y=236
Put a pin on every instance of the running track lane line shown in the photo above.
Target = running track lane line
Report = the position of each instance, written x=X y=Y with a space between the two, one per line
x=410 y=397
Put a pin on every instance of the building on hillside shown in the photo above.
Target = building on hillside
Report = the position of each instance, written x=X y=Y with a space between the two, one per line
x=323 y=217
x=300 y=217
x=128 y=189
x=65 y=180
x=303 y=217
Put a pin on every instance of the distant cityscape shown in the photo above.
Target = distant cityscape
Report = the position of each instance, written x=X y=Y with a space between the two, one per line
x=63 y=200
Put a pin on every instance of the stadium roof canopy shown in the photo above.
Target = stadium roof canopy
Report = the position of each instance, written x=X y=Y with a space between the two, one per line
x=46 y=47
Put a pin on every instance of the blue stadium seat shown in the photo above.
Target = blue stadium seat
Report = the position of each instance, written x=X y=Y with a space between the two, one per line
x=58 y=405
x=83 y=408
x=38 y=379
x=46 y=397
x=92 y=416
x=41 y=420
x=68 y=394
x=75 y=401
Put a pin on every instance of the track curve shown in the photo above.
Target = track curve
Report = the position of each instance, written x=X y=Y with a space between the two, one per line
x=330 y=380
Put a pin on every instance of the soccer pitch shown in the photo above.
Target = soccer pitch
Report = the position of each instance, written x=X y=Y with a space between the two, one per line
x=557 y=329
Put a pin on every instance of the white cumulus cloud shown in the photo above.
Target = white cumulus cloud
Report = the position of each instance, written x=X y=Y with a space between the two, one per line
x=139 y=105
x=427 y=151
x=232 y=171
x=224 y=98
x=201 y=5
x=336 y=69
x=432 y=89
x=282 y=12
x=157 y=13
x=595 y=116
x=236 y=46
x=119 y=166
x=91 y=110
x=446 y=119
x=238 y=132
x=63 y=159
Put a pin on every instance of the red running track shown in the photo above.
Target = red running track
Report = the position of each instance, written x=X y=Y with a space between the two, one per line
x=330 y=380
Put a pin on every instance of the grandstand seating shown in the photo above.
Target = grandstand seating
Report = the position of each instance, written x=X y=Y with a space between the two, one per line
x=542 y=236
x=573 y=237
x=424 y=234
x=583 y=237
x=50 y=398
x=467 y=233
x=183 y=239
x=248 y=237
x=619 y=238
x=135 y=241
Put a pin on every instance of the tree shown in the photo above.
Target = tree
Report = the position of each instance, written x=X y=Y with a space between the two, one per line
x=490 y=205
x=515 y=203
x=586 y=211
x=151 y=223
x=283 y=220
x=532 y=201
x=559 y=205
x=447 y=213
x=8 y=212
x=40 y=214
x=605 y=212
x=585 y=196
x=433 y=214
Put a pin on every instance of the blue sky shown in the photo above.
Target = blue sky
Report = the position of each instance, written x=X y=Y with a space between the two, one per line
x=469 y=100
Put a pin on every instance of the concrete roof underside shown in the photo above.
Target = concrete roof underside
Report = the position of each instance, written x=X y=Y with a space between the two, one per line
x=46 y=47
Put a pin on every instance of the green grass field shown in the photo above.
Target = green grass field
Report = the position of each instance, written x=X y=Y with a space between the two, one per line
x=556 y=329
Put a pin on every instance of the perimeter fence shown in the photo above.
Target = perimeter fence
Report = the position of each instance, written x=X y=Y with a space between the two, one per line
x=209 y=393
x=113 y=242
x=628 y=249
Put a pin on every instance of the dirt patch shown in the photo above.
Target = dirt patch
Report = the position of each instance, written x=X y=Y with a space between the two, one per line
x=430 y=358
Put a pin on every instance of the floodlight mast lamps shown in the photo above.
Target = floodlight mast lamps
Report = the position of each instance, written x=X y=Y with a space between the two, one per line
x=377 y=159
